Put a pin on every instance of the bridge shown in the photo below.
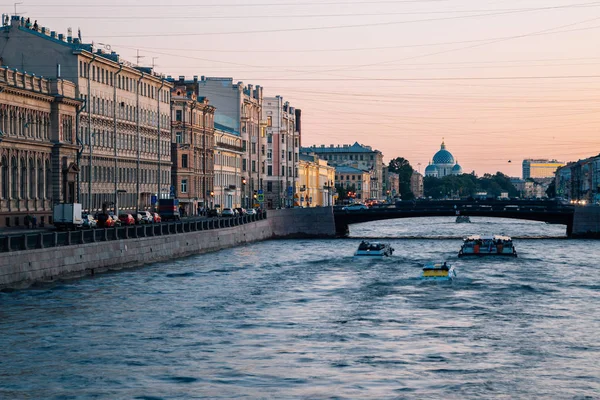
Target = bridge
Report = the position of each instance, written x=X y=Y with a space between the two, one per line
x=534 y=210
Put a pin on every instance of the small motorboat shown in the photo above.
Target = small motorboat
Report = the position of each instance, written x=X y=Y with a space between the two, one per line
x=463 y=219
x=487 y=246
x=374 y=249
x=438 y=271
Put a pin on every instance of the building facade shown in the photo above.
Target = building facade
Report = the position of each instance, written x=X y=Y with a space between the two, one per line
x=579 y=180
x=239 y=109
x=357 y=156
x=38 y=149
x=192 y=157
x=316 y=182
x=228 y=166
x=391 y=183
x=443 y=164
x=282 y=147
x=541 y=168
x=125 y=126
x=354 y=180
x=416 y=184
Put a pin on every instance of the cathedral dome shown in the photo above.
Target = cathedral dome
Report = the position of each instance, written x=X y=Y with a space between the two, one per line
x=431 y=170
x=443 y=156
x=457 y=169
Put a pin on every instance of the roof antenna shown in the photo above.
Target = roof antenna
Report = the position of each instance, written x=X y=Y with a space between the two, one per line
x=16 y=4
x=153 y=64
x=138 y=57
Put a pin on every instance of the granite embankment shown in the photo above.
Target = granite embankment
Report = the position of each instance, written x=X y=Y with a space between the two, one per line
x=22 y=268
x=586 y=222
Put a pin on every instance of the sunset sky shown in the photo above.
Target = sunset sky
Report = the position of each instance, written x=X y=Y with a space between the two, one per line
x=499 y=80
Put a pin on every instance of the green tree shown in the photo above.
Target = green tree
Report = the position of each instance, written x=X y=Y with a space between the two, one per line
x=402 y=167
x=344 y=192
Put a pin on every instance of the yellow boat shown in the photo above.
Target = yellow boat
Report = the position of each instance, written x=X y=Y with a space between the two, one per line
x=439 y=271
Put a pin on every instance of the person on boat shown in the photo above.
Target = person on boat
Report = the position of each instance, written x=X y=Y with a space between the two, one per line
x=445 y=266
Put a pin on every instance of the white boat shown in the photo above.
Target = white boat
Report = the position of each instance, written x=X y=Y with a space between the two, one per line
x=374 y=249
x=487 y=246
x=438 y=272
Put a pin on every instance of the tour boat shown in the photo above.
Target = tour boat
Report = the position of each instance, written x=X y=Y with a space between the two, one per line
x=462 y=219
x=439 y=271
x=487 y=246
x=374 y=249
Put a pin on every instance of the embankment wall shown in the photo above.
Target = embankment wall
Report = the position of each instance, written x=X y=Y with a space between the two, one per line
x=21 y=268
x=586 y=222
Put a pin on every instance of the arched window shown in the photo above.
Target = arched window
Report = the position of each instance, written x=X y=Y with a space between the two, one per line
x=48 y=180
x=40 y=182
x=23 y=179
x=4 y=177
x=14 y=178
x=31 y=178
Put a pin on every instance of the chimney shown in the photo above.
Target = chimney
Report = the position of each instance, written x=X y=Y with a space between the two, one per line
x=53 y=34
x=61 y=37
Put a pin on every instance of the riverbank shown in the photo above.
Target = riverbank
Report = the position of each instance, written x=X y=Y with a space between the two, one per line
x=20 y=269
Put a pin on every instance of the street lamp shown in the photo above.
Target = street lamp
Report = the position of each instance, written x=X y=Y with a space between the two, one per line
x=244 y=202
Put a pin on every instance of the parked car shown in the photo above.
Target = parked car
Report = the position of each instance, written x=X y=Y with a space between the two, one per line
x=88 y=221
x=157 y=218
x=103 y=220
x=251 y=211
x=227 y=212
x=355 y=207
x=126 y=219
x=116 y=220
x=147 y=217
x=212 y=213
x=138 y=218
x=241 y=211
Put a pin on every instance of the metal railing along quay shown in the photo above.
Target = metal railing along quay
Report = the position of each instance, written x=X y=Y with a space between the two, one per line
x=42 y=240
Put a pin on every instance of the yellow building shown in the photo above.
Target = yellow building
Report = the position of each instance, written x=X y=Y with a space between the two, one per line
x=540 y=168
x=315 y=182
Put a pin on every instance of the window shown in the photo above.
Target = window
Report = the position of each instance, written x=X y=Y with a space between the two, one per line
x=282 y=170
x=253 y=166
x=269 y=121
x=269 y=138
x=269 y=187
x=184 y=161
x=269 y=154
x=282 y=138
x=178 y=115
x=244 y=164
x=178 y=137
x=253 y=148
x=184 y=186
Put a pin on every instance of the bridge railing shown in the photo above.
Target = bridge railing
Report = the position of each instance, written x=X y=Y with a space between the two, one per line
x=82 y=236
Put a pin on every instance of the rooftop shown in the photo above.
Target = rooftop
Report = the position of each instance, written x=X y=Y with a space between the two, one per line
x=349 y=170
x=355 y=148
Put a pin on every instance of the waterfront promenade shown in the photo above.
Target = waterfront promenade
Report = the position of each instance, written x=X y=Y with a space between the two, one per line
x=55 y=255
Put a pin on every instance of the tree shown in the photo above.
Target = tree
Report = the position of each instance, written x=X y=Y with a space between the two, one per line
x=402 y=167
x=345 y=193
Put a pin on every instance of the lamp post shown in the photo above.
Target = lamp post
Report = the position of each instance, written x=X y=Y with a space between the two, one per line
x=244 y=202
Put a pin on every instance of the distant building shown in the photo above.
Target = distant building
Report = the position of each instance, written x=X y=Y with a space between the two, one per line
x=228 y=163
x=357 y=156
x=356 y=179
x=316 y=182
x=280 y=167
x=391 y=183
x=540 y=168
x=579 y=180
x=416 y=184
x=443 y=164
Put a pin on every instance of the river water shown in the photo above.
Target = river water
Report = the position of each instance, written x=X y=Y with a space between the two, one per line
x=302 y=319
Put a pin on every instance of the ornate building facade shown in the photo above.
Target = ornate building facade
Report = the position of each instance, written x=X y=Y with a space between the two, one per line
x=38 y=151
x=125 y=126
x=192 y=172
x=228 y=164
